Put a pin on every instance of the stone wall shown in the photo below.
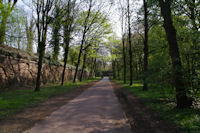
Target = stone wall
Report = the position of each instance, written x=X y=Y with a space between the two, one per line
x=18 y=68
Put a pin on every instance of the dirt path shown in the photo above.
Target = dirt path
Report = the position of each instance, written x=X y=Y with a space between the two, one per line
x=95 y=111
x=92 y=108
x=23 y=120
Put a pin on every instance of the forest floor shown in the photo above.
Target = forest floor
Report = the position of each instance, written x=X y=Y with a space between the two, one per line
x=25 y=119
x=141 y=118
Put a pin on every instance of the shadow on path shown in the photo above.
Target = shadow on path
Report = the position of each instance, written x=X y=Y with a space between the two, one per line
x=95 y=111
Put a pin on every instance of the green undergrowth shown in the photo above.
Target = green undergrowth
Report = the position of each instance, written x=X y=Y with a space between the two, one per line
x=162 y=101
x=16 y=100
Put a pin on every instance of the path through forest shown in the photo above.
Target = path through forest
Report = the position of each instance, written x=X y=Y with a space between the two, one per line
x=95 y=111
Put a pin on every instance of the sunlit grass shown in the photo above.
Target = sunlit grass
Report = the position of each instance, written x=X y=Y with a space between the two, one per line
x=162 y=100
x=16 y=100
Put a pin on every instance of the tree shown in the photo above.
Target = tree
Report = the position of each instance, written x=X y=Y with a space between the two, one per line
x=146 y=28
x=84 y=61
x=85 y=30
x=6 y=9
x=68 y=28
x=43 y=9
x=29 y=35
x=194 y=13
x=181 y=97
x=99 y=30
x=73 y=55
x=130 y=46
x=56 y=26
x=123 y=42
x=16 y=29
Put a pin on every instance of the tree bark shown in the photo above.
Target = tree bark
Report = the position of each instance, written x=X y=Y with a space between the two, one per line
x=91 y=68
x=83 y=67
x=41 y=55
x=3 y=30
x=65 y=61
x=118 y=71
x=181 y=97
x=79 y=59
x=67 y=34
x=113 y=68
x=95 y=67
x=130 y=46
x=123 y=45
x=42 y=9
x=145 y=85
x=124 y=58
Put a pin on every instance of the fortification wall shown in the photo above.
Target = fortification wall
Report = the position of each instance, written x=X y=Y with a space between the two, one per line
x=18 y=68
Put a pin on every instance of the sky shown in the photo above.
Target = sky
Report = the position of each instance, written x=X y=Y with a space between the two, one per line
x=114 y=13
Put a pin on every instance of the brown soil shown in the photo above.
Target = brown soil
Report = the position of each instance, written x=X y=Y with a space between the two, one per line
x=21 y=121
x=141 y=118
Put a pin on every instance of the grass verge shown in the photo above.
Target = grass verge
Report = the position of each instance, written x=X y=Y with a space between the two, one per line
x=162 y=100
x=16 y=100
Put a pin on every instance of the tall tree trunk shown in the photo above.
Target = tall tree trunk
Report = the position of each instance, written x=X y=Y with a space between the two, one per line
x=189 y=78
x=65 y=61
x=3 y=30
x=145 y=85
x=118 y=71
x=124 y=58
x=67 y=34
x=41 y=48
x=95 y=67
x=123 y=45
x=130 y=46
x=136 y=70
x=181 y=97
x=42 y=34
x=79 y=59
x=83 y=67
x=192 y=5
x=83 y=40
x=41 y=55
x=113 y=68
x=91 y=68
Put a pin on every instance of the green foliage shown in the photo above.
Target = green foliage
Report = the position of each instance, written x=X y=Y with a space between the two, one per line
x=162 y=100
x=30 y=36
x=159 y=60
x=73 y=55
x=5 y=10
x=159 y=64
x=56 y=27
